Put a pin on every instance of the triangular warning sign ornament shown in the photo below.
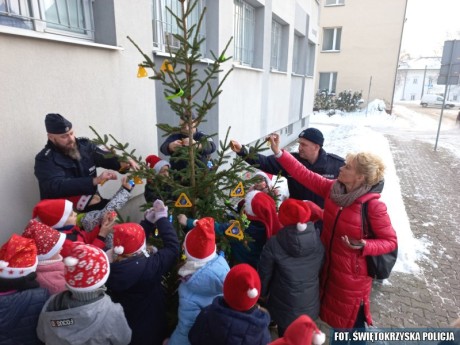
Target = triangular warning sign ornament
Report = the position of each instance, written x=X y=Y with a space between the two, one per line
x=183 y=201
x=238 y=191
x=234 y=230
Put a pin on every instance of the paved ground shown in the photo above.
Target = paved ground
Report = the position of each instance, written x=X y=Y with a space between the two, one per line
x=430 y=184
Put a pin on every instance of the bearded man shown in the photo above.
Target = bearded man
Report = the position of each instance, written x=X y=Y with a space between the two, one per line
x=66 y=167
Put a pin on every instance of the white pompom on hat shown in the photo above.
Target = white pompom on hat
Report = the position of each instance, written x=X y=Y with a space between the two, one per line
x=293 y=211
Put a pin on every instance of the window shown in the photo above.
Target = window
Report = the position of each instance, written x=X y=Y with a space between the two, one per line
x=311 y=58
x=64 y=17
x=331 y=39
x=276 y=46
x=297 y=55
x=327 y=82
x=415 y=81
x=245 y=21
x=412 y=97
x=165 y=26
x=334 y=2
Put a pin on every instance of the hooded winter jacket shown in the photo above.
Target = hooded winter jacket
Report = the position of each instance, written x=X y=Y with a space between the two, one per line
x=289 y=270
x=197 y=292
x=345 y=284
x=218 y=324
x=135 y=283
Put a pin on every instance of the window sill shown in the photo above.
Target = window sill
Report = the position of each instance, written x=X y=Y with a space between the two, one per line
x=330 y=51
x=51 y=37
x=248 y=68
x=161 y=53
x=334 y=5
x=301 y=75
x=275 y=71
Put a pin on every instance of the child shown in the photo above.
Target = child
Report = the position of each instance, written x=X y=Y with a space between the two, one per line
x=84 y=314
x=49 y=242
x=161 y=190
x=202 y=277
x=290 y=264
x=302 y=331
x=135 y=276
x=21 y=298
x=58 y=214
x=234 y=318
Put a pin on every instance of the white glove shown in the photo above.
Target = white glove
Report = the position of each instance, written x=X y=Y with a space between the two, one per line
x=150 y=215
x=161 y=211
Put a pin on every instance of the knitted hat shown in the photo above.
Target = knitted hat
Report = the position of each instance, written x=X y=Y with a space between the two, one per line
x=302 y=331
x=294 y=211
x=241 y=287
x=128 y=238
x=57 y=124
x=86 y=269
x=200 y=242
x=48 y=241
x=53 y=212
x=80 y=201
x=156 y=163
x=314 y=135
x=266 y=176
x=261 y=207
x=18 y=257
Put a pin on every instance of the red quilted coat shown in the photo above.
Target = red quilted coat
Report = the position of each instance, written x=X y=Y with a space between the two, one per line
x=345 y=284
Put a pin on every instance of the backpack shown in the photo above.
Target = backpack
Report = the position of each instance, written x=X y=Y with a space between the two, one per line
x=379 y=266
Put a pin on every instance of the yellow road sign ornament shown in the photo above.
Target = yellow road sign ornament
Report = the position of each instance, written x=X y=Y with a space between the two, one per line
x=238 y=191
x=183 y=201
x=234 y=230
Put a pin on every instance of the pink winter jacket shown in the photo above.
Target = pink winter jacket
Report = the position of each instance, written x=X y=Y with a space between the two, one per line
x=50 y=275
x=345 y=284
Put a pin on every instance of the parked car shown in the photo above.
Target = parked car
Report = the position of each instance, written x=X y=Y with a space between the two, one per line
x=435 y=101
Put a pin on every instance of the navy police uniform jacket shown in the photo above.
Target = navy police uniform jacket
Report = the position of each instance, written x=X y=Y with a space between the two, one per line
x=218 y=324
x=327 y=165
x=60 y=176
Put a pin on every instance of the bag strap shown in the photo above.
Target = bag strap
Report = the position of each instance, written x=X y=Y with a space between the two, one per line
x=366 y=224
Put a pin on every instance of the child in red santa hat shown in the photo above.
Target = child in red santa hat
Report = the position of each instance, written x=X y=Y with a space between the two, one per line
x=302 y=331
x=21 y=298
x=290 y=264
x=136 y=275
x=59 y=214
x=202 y=277
x=234 y=318
x=84 y=314
x=157 y=188
x=49 y=242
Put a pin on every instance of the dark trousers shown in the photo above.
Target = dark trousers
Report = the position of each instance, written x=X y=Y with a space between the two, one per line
x=360 y=325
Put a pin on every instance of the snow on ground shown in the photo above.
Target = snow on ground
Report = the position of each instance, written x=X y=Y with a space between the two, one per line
x=364 y=131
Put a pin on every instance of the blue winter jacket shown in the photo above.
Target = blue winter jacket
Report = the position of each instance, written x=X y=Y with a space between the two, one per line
x=208 y=147
x=197 y=293
x=218 y=324
x=19 y=314
x=60 y=176
x=135 y=283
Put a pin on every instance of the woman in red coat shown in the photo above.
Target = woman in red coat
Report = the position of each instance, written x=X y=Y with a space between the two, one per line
x=345 y=284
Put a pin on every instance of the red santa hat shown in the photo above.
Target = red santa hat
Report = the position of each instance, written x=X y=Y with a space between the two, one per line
x=86 y=269
x=200 y=242
x=53 y=212
x=294 y=212
x=242 y=287
x=128 y=238
x=18 y=257
x=80 y=201
x=261 y=207
x=302 y=331
x=156 y=163
x=316 y=211
x=266 y=176
x=48 y=241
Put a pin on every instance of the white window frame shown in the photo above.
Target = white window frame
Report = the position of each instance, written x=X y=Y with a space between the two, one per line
x=33 y=16
x=334 y=2
x=335 y=40
x=311 y=54
x=165 y=27
x=332 y=82
x=297 y=54
x=276 y=45
x=244 y=33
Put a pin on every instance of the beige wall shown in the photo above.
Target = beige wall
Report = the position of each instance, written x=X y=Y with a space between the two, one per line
x=371 y=36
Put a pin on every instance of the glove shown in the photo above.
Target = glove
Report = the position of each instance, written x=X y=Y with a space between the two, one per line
x=150 y=215
x=161 y=211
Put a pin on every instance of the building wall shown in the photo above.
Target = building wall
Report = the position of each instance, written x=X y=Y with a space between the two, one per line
x=96 y=85
x=371 y=36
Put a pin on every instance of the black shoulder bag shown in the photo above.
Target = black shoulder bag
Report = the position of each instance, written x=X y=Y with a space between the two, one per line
x=379 y=266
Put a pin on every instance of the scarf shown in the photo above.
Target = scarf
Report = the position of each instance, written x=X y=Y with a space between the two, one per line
x=340 y=196
x=190 y=267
